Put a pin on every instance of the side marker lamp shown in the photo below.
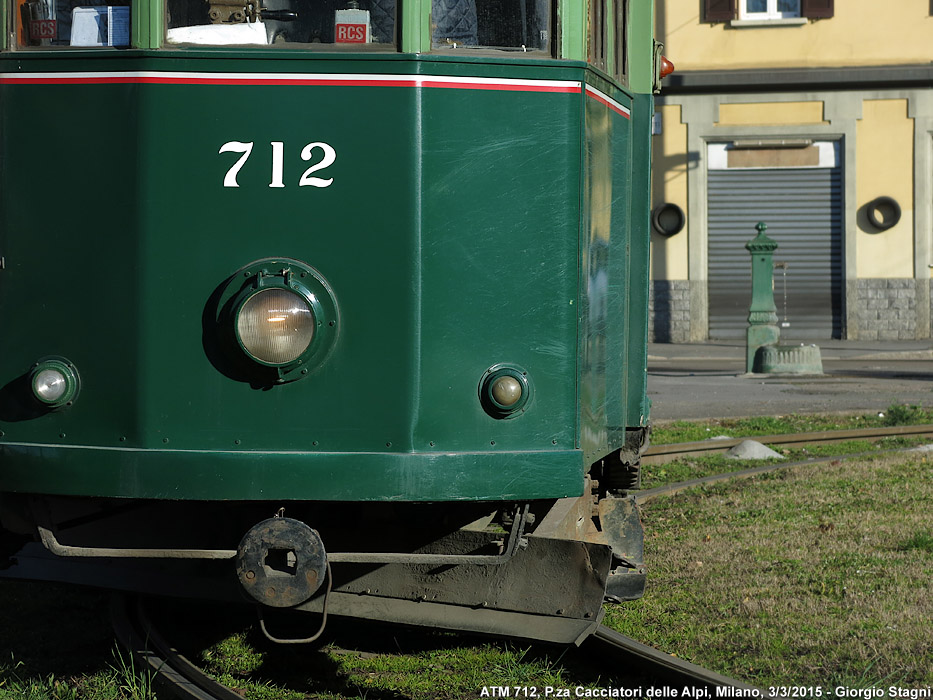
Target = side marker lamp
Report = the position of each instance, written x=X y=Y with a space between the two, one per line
x=505 y=391
x=662 y=66
x=54 y=382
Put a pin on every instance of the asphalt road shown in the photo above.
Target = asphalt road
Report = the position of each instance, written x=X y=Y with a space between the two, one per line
x=709 y=380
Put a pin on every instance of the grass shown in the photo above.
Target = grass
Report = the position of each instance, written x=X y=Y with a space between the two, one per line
x=818 y=575
x=922 y=541
x=58 y=646
x=687 y=468
x=384 y=662
x=694 y=431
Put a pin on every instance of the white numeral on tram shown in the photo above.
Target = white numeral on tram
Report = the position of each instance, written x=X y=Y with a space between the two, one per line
x=236 y=147
x=329 y=155
x=278 y=159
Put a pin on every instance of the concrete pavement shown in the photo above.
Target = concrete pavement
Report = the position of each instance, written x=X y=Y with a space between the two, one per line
x=708 y=380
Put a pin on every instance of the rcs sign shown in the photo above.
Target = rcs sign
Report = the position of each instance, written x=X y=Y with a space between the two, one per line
x=350 y=33
x=42 y=29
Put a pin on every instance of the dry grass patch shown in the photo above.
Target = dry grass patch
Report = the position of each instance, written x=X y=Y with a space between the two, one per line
x=817 y=575
x=668 y=432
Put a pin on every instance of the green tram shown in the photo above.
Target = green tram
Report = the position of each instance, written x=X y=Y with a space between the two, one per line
x=328 y=305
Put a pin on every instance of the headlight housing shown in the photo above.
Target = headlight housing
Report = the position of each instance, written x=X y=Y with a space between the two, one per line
x=279 y=317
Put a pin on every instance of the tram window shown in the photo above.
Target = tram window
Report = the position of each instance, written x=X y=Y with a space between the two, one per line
x=620 y=24
x=338 y=24
x=517 y=25
x=596 y=39
x=53 y=23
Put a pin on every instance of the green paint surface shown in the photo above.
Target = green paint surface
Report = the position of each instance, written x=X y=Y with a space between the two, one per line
x=463 y=228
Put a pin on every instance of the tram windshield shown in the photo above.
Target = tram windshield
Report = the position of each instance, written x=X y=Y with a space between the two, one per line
x=354 y=24
x=524 y=25
x=511 y=25
x=72 y=23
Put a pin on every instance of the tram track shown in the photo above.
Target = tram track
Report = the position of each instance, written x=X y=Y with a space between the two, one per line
x=661 y=454
x=674 y=671
x=179 y=678
x=170 y=670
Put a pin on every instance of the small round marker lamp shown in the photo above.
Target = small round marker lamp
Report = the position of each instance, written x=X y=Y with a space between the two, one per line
x=504 y=391
x=54 y=382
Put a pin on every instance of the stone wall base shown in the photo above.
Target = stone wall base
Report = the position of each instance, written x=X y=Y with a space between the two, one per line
x=879 y=309
x=886 y=309
x=669 y=311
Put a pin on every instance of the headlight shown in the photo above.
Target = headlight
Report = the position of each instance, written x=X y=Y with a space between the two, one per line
x=54 y=382
x=277 y=321
x=275 y=326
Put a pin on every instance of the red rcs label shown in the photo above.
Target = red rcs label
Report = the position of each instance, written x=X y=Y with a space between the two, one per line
x=42 y=28
x=350 y=33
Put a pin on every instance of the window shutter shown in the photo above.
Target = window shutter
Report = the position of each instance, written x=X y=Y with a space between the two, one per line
x=718 y=10
x=816 y=9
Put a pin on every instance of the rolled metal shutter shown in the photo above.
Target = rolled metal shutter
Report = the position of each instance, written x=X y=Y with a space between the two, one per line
x=803 y=210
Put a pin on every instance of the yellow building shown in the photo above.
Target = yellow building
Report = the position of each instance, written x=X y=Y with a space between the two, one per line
x=817 y=120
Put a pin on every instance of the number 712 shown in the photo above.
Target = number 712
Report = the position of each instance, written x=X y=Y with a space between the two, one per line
x=278 y=163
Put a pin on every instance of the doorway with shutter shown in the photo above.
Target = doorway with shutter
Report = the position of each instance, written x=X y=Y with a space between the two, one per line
x=795 y=187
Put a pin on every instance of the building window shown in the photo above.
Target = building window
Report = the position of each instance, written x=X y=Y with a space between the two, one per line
x=768 y=9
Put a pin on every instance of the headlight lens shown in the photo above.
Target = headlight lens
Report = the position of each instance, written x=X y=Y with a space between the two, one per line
x=54 y=382
x=505 y=390
x=50 y=385
x=275 y=326
x=276 y=322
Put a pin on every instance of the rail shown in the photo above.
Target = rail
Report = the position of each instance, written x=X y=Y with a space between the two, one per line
x=178 y=677
x=171 y=671
x=661 y=454
x=673 y=670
